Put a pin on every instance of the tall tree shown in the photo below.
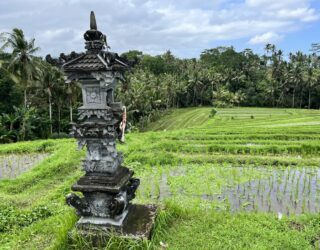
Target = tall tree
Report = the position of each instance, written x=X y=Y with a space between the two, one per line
x=49 y=77
x=73 y=92
x=22 y=58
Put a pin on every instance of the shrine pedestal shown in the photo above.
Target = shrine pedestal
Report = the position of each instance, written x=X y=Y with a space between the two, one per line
x=137 y=225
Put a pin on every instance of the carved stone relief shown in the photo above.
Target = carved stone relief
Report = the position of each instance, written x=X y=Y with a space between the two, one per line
x=93 y=95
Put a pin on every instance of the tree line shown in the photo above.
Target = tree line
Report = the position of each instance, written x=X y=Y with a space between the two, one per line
x=35 y=101
x=221 y=77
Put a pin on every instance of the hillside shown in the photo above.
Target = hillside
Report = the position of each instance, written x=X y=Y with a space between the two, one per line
x=247 y=178
x=181 y=118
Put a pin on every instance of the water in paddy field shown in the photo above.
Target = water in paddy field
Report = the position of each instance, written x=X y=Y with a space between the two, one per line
x=289 y=191
x=12 y=165
x=282 y=191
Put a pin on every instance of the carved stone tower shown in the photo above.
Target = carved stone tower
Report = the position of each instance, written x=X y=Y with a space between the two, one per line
x=107 y=186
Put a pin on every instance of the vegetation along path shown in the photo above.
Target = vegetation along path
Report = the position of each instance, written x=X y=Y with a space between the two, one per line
x=246 y=178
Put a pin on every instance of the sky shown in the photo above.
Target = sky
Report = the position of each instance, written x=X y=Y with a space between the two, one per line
x=185 y=27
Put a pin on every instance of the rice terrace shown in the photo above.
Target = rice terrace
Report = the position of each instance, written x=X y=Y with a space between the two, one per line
x=190 y=171
x=159 y=124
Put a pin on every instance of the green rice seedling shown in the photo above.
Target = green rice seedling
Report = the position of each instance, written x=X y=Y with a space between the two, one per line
x=10 y=166
x=309 y=185
x=274 y=139
x=303 y=208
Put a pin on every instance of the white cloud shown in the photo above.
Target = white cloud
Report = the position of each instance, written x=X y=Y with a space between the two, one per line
x=295 y=10
x=276 y=4
x=153 y=26
x=55 y=33
x=303 y=14
x=269 y=37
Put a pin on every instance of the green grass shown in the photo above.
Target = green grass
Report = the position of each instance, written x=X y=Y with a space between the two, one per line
x=257 y=231
x=181 y=118
x=196 y=155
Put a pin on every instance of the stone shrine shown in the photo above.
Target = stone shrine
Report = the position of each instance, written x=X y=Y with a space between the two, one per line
x=107 y=186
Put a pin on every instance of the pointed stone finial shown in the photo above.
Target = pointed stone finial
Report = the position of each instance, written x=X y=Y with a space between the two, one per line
x=93 y=23
x=94 y=38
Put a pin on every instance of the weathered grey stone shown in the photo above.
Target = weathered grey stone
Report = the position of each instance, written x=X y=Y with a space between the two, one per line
x=138 y=225
x=107 y=186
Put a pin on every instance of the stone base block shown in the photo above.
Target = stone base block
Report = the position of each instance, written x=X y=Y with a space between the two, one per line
x=85 y=222
x=138 y=225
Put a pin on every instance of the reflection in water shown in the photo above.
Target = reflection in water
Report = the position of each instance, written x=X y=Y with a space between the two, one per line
x=290 y=191
x=283 y=191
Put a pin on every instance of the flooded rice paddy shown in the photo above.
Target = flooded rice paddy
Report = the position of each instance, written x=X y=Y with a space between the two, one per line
x=276 y=190
x=289 y=191
x=12 y=165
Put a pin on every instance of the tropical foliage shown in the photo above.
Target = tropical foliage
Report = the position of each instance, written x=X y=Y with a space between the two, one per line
x=221 y=77
x=35 y=102
x=33 y=93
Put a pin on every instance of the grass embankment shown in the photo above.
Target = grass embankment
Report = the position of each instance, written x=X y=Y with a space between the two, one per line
x=32 y=210
x=177 y=167
x=181 y=118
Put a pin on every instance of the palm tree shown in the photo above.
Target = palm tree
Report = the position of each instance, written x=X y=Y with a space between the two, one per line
x=10 y=119
x=59 y=95
x=73 y=92
x=22 y=60
x=11 y=134
x=297 y=72
x=24 y=116
x=48 y=77
x=275 y=70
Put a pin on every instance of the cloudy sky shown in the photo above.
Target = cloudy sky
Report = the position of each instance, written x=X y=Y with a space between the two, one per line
x=186 y=27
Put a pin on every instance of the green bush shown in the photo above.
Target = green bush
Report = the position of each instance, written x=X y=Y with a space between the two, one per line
x=11 y=218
